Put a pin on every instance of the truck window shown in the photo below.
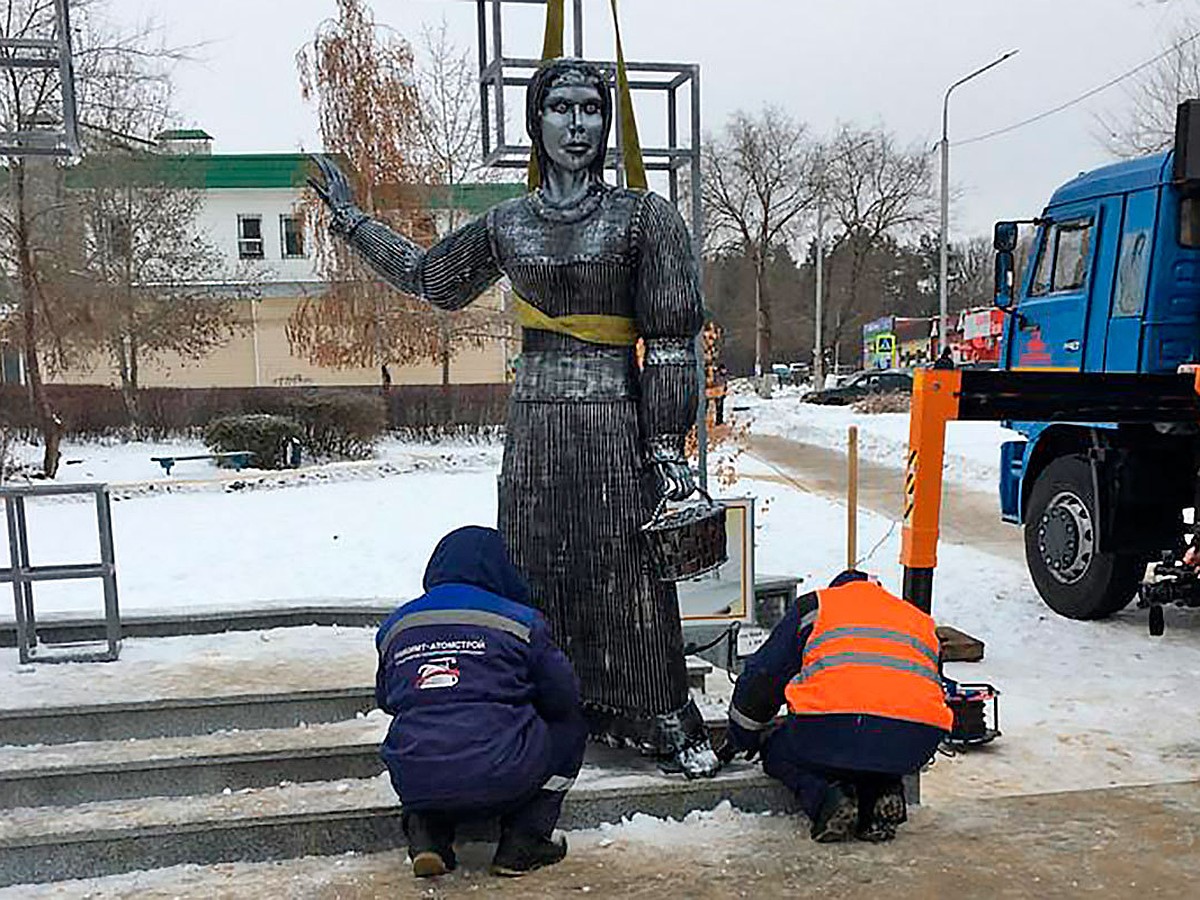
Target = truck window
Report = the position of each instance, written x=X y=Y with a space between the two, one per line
x=1189 y=221
x=1132 y=269
x=1041 y=274
x=1073 y=255
x=1063 y=257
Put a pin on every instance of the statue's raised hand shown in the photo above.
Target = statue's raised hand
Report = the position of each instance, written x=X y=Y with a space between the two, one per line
x=334 y=191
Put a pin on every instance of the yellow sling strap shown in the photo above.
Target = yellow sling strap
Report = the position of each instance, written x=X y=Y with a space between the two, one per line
x=631 y=147
x=593 y=328
x=552 y=48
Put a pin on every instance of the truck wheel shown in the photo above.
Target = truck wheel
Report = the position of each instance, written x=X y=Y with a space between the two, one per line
x=1074 y=578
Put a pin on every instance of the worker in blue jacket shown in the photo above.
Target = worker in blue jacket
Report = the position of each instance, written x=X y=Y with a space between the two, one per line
x=487 y=713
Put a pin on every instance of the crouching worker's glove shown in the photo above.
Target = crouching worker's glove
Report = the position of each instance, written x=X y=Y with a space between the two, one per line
x=741 y=740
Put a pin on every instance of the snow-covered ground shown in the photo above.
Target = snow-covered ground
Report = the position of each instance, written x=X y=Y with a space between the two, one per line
x=1084 y=704
x=972 y=448
x=212 y=537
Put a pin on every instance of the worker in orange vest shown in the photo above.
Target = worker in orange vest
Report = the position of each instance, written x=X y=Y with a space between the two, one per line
x=859 y=671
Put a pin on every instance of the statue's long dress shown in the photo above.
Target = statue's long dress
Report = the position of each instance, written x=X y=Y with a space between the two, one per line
x=582 y=422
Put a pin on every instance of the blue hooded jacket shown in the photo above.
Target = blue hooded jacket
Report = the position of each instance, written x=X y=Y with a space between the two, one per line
x=471 y=676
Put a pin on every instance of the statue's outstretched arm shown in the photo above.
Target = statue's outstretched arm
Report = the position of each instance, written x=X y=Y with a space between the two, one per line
x=670 y=312
x=450 y=274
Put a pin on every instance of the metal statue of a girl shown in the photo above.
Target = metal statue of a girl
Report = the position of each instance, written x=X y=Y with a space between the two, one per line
x=593 y=441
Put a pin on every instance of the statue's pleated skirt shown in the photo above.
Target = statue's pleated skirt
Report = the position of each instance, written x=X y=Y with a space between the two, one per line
x=571 y=504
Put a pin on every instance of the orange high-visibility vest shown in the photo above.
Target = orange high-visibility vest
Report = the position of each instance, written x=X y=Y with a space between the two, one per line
x=870 y=654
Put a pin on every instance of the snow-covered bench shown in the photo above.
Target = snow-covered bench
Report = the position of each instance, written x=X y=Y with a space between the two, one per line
x=239 y=459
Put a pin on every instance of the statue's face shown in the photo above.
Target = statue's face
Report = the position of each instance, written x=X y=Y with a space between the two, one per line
x=572 y=126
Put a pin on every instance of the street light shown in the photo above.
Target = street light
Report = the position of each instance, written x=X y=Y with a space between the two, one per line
x=944 y=260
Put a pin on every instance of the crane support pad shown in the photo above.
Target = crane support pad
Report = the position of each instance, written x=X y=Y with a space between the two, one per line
x=1077 y=397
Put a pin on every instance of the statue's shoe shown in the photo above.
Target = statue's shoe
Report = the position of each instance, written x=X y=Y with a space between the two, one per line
x=684 y=744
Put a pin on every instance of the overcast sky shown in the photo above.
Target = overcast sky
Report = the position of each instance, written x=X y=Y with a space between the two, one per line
x=825 y=61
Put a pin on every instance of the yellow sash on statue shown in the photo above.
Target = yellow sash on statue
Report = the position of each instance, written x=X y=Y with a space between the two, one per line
x=595 y=328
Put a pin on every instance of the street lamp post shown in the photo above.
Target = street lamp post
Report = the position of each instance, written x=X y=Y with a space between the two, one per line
x=944 y=239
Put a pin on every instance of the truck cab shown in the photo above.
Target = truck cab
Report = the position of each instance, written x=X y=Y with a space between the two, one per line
x=1111 y=284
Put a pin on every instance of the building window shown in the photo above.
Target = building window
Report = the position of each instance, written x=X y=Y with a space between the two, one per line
x=291 y=236
x=250 y=237
x=118 y=237
x=11 y=370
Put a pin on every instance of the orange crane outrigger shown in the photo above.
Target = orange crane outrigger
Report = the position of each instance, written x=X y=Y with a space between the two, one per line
x=942 y=396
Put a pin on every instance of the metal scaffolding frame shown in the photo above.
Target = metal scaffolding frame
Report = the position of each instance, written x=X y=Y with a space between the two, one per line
x=52 y=53
x=22 y=574
x=676 y=82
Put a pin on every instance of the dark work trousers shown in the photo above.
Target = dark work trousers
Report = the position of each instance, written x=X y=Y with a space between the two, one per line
x=809 y=752
x=533 y=812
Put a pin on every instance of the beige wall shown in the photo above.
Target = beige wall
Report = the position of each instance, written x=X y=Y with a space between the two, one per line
x=235 y=364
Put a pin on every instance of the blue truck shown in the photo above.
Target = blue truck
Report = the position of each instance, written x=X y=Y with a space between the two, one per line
x=1111 y=285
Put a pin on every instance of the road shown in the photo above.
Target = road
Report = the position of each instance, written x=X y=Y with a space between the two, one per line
x=968 y=516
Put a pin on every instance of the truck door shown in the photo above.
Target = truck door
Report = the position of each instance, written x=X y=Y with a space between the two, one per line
x=1124 y=341
x=1050 y=331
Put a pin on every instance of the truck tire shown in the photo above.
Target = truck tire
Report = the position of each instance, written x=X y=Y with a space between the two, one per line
x=1074 y=578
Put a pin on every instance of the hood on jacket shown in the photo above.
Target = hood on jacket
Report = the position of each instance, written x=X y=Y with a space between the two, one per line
x=477 y=556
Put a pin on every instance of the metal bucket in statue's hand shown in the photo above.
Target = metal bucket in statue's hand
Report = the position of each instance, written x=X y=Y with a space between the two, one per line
x=687 y=541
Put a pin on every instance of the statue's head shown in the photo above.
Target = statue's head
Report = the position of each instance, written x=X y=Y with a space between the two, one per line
x=568 y=113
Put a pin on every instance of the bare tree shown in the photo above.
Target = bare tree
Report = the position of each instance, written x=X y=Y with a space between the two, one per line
x=972 y=270
x=756 y=186
x=875 y=191
x=34 y=229
x=450 y=141
x=361 y=77
x=1146 y=122
x=152 y=285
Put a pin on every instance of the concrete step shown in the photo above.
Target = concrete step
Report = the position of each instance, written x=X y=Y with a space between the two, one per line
x=327 y=818
x=176 y=716
x=68 y=774
x=181 y=716
x=57 y=629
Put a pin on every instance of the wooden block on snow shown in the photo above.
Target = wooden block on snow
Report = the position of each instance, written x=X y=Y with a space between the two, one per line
x=958 y=646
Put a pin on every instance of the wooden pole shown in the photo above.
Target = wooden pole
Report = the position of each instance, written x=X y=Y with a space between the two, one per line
x=852 y=499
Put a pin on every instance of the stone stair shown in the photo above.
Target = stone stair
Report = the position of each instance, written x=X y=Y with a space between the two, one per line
x=112 y=787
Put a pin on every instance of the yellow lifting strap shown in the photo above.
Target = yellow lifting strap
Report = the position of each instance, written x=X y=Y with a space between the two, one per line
x=594 y=328
x=631 y=145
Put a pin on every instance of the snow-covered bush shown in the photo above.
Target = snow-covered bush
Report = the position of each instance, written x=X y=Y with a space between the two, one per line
x=265 y=436
x=337 y=424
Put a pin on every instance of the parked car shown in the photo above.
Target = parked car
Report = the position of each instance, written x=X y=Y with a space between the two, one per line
x=864 y=384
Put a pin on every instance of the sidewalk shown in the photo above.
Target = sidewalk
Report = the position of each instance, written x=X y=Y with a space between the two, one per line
x=1116 y=843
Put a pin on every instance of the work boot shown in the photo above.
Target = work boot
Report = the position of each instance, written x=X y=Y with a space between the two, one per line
x=430 y=845
x=520 y=853
x=837 y=817
x=887 y=812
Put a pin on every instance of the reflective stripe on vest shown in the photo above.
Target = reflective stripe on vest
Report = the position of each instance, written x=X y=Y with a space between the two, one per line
x=874 y=634
x=868 y=659
x=473 y=617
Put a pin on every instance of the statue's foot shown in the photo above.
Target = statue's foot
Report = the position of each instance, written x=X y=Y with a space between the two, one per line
x=684 y=744
x=698 y=761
